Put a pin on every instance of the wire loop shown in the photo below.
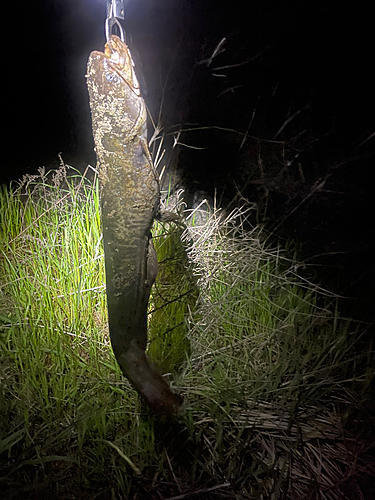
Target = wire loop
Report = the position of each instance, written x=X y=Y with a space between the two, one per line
x=115 y=11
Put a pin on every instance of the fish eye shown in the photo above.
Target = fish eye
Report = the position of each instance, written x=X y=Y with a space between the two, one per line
x=112 y=78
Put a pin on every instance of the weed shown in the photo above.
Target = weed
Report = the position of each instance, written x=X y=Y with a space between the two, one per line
x=270 y=372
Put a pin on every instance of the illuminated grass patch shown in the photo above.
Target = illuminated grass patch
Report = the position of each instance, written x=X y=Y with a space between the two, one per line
x=272 y=376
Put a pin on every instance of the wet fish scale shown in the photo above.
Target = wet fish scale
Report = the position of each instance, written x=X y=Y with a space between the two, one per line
x=130 y=196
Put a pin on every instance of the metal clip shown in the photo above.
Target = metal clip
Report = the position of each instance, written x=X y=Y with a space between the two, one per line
x=115 y=11
x=115 y=8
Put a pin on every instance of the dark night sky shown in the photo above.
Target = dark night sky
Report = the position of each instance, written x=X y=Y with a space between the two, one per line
x=315 y=53
x=280 y=57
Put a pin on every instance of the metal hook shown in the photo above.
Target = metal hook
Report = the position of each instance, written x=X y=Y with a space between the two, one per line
x=115 y=8
x=115 y=11
x=109 y=23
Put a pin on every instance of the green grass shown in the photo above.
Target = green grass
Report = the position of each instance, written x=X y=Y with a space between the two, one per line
x=274 y=380
x=174 y=295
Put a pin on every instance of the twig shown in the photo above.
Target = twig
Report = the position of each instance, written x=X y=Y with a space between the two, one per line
x=197 y=492
x=289 y=120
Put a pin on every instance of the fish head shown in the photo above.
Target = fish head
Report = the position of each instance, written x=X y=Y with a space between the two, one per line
x=119 y=60
x=115 y=97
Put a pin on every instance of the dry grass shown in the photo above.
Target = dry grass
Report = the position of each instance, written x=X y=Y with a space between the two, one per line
x=275 y=385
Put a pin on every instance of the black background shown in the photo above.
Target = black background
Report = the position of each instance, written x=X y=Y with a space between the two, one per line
x=310 y=62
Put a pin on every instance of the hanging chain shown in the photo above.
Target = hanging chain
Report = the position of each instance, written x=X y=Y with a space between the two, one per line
x=115 y=11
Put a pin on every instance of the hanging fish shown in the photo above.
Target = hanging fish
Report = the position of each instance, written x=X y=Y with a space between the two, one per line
x=130 y=195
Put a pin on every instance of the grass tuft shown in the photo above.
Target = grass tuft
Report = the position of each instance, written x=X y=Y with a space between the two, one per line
x=276 y=383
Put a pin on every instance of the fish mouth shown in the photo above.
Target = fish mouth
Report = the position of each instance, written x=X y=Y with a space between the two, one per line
x=119 y=59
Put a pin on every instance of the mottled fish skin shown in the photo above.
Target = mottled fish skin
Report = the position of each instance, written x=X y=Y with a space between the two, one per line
x=130 y=195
